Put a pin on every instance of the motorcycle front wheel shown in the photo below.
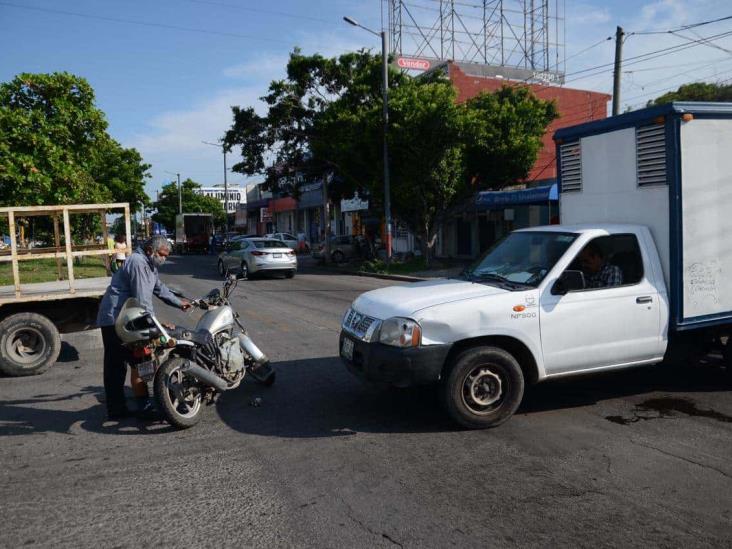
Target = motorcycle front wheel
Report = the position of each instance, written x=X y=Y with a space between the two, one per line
x=178 y=394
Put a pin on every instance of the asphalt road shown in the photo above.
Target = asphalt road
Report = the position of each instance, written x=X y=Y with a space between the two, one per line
x=633 y=459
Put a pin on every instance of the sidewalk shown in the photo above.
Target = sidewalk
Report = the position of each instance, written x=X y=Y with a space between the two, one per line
x=416 y=276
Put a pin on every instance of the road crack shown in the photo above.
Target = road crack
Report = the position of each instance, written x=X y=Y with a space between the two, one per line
x=682 y=458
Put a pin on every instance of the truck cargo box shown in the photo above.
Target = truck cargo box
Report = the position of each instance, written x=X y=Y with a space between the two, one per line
x=670 y=168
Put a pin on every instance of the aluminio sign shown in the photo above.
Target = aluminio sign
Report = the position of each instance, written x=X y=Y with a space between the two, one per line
x=417 y=64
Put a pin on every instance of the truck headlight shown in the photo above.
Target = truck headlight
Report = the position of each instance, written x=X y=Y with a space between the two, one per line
x=400 y=332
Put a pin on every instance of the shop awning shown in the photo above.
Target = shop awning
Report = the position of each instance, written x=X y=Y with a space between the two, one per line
x=488 y=200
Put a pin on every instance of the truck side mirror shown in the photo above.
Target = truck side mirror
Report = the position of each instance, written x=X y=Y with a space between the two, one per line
x=569 y=281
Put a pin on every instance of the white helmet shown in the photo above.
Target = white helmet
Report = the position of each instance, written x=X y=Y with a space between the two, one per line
x=134 y=323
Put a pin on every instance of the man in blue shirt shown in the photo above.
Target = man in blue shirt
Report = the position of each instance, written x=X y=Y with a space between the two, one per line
x=137 y=278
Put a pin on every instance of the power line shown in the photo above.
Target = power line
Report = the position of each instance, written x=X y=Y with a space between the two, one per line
x=684 y=27
x=145 y=23
x=259 y=10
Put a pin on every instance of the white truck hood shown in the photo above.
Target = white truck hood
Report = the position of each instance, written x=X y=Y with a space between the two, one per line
x=407 y=300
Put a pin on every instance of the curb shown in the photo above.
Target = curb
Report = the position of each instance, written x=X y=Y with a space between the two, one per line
x=383 y=276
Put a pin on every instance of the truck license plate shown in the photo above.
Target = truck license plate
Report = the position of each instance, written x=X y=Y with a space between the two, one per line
x=146 y=370
x=347 y=349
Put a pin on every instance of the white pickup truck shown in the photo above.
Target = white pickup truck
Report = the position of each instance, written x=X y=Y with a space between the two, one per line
x=640 y=271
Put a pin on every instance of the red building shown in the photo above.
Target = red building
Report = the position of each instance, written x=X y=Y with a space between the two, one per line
x=477 y=227
x=575 y=106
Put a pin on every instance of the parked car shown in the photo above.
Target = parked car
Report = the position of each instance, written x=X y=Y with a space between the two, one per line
x=344 y=248
x=250 y=256
x=287 y=238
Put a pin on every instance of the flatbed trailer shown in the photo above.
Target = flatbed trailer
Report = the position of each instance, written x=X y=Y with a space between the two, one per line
x=33 y=315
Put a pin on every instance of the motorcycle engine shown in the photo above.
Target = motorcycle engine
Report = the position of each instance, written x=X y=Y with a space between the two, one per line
x=232 y=358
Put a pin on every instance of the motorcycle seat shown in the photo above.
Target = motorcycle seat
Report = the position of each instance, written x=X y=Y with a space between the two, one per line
x=200 y=337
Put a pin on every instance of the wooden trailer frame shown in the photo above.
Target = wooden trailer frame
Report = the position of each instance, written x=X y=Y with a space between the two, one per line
x=58 y=252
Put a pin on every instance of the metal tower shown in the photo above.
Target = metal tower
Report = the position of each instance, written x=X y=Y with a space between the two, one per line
x=525 y=38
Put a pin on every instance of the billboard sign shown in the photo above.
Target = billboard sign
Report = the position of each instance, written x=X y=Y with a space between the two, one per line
x=265 y=215
x=413 y=64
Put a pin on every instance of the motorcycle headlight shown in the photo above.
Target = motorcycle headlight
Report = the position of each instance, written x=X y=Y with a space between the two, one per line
x=400 y=332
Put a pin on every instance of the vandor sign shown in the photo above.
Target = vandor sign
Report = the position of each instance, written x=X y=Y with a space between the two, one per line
x=417 y=64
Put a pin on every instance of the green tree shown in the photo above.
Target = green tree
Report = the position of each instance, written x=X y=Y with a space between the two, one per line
x=326 y=116
x=503 y=134
x=55 y=149
x=696 y=91
x=167 y=204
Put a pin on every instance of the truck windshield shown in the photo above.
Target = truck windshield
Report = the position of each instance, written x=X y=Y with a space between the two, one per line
x=520 y=260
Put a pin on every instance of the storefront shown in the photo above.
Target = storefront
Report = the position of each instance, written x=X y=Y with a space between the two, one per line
x=493 y=214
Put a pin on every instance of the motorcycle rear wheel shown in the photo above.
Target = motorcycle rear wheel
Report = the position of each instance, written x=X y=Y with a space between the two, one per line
x=179 y=395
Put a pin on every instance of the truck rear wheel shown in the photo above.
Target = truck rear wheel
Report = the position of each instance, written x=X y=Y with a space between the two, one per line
x=483 y=387
x=29 y=344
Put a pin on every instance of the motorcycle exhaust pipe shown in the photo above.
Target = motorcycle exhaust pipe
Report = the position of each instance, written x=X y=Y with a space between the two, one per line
x=249 y=346
x=205 y=376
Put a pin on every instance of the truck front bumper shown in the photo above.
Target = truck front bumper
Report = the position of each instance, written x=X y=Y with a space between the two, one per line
x=381 y=363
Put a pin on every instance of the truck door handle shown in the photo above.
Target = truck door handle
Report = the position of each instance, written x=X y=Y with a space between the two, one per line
x=644 y=299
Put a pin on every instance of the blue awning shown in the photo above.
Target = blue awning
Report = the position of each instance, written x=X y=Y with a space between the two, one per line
x=487 y=200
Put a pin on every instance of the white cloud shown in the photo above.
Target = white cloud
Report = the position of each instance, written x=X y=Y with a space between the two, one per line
x=172 y=140
x=265 y=67
x=581 y=13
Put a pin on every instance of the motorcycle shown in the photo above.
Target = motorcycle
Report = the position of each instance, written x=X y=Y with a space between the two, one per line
x=190 y=368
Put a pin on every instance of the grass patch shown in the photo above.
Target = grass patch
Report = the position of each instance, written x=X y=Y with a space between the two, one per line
x=45 y=270
x=397 y=267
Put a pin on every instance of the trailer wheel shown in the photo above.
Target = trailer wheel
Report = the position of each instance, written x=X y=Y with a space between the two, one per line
x=29 y=344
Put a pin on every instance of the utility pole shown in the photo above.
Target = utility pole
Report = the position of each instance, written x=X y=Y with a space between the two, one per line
x=387 y=183
x=385 y=78
x=226 y=195
x=326 y=217
x=180 y=196
x=619 y=35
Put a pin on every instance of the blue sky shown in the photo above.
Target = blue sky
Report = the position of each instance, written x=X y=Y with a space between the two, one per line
x=167 y=71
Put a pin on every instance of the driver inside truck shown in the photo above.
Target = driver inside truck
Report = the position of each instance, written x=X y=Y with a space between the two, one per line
x=598 y=272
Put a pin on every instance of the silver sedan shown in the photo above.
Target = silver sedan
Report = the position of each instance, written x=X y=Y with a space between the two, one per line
x=255 y=255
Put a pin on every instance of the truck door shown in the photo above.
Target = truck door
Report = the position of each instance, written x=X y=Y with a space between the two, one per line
x=614 y=321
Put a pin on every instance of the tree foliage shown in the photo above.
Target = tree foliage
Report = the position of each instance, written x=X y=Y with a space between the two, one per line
x=55 y=149
x=696 y=91
x=326 y=116
x=167 y=204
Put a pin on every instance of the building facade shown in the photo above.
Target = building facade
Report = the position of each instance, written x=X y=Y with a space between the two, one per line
x=477 y=224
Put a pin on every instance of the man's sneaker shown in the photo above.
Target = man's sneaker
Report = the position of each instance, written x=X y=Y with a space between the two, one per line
x=147 y=410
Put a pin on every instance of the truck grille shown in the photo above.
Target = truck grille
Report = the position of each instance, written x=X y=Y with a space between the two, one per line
x=359 y=324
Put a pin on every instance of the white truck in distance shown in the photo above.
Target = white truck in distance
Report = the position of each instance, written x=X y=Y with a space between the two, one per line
x=639 y=271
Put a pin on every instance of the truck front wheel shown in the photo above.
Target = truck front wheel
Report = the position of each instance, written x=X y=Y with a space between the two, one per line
x=29 y=344
x=483 y=387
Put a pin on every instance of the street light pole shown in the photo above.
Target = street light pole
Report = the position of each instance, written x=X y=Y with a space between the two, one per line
x=226 y=184
x=180 y=194
x=387 y=185
x=385 y=83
